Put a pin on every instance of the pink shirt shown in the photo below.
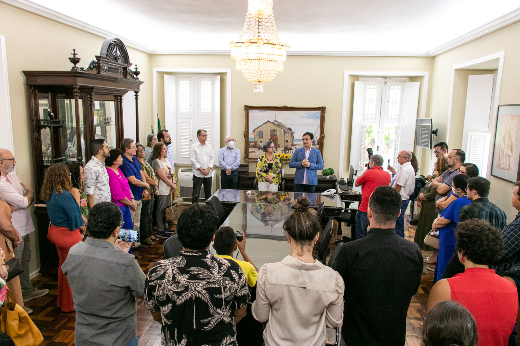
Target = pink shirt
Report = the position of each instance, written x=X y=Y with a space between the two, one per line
x=119 y=187
x=307 y=152
x=12 y=191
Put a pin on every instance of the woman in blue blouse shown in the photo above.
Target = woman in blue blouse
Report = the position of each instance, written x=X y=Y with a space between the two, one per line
x=447 y=223
x=66 y=227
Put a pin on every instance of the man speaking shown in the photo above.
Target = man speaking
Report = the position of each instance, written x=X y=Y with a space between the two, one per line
x=307 y=162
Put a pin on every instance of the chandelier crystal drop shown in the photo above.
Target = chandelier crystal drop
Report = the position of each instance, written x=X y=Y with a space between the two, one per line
x=259 y=52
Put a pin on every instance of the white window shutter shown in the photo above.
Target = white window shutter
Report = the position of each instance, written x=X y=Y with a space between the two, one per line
x=478 y=151
x=357 y=139
x=183 y=140
x=170 y=111
x=409 y=116
x=129 y=116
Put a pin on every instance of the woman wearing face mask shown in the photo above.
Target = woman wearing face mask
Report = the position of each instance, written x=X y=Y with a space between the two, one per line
x=447 y=223
x=229 y=160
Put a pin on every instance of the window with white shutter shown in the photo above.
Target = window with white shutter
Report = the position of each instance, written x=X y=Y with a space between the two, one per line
x=384 y=116
x=192 y=102
x=478 y=151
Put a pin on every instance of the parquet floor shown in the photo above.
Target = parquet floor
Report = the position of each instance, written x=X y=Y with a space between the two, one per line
x=58 y=328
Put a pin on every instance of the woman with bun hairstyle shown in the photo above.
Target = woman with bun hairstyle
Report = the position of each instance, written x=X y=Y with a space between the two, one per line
x=299 y=289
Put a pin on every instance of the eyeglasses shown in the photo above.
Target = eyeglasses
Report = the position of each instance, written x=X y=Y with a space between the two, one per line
x=204 y=135
x=437 y=151
x=140 y=150
x=7 y=159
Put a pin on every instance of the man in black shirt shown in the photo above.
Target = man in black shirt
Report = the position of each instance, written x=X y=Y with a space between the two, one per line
x=480 y=208
x=196 y=296
x=381 y=272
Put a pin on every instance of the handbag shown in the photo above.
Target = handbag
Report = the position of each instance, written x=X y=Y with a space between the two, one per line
x=171 y=211
x=17 y=324
x=432 y=240
x=13 y=264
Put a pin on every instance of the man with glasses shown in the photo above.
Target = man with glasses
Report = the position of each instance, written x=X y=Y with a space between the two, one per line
x=229 y=160
x=307 y=162
x=202 y=159
x=480 y=208
x=403 y=182
x=19 y=197
x=440 y=150
x=442 y=184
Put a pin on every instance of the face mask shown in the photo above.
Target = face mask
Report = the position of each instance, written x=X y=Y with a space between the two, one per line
x=231 y=144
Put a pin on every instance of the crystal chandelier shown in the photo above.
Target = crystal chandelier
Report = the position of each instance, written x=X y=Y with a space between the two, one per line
x=258 y=51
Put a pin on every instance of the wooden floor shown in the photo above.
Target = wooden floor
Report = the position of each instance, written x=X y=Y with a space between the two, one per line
x=58 y=328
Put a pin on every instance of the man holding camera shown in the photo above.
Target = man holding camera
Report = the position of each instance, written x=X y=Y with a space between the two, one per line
x=226 y=242
x=373 y=177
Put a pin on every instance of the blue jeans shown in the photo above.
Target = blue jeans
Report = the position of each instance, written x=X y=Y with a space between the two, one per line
x=229 y=181
x=399 y=224
x=361 y=224
x=133 y=342
x=304 y=188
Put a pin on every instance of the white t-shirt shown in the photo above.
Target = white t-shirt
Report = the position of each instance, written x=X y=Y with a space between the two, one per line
x=405 y=177
x=168 y=171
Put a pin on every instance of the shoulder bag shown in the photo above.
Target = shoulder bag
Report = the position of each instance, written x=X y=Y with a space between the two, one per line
x=17 y=324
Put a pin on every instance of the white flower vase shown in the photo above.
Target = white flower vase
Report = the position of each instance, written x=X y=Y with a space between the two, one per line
x=283 y=172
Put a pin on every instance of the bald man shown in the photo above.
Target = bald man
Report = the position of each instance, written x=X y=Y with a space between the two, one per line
x=20 y=197
x=403 y=181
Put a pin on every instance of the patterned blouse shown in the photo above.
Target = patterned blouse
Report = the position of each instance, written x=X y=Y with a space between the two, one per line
x=145 y=166
x=197 y=294
x=262 y=170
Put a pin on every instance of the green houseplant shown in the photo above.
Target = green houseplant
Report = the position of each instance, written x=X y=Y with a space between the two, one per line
x=328 y=172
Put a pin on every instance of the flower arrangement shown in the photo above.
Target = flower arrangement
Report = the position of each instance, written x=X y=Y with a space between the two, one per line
x=284 y=158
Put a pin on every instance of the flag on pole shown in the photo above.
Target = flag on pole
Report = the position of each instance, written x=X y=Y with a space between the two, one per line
x=158 y=124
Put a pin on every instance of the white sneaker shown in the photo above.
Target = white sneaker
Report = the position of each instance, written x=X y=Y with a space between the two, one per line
x=28 y=310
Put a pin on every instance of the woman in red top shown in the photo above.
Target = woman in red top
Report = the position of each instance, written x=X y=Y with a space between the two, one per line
x=492 y=300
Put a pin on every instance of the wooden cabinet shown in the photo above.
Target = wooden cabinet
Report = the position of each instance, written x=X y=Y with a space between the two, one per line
x=68 y=109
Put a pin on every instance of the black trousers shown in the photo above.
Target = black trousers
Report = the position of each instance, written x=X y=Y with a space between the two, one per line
x=229 y=181
x=304 y=188
x=197 y=184
x=145 y=220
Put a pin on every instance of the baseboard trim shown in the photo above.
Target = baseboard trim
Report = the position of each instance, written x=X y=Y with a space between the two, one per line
x=34 y=274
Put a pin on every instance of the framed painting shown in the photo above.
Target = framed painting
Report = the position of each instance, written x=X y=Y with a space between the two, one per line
x=284 y=126
x=506 y=152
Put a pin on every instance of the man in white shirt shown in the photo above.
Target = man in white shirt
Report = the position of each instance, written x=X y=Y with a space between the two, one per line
x=96 y=184
x=20 y=197
x=202 y=158
x=403 y=182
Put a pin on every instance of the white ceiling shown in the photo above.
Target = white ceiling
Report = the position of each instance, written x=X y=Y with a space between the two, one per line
x=414 y=26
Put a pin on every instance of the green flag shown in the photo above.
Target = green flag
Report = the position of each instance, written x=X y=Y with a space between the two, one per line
x=158 y=124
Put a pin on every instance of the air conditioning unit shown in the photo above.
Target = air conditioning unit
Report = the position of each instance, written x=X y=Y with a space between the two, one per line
x=185 y=179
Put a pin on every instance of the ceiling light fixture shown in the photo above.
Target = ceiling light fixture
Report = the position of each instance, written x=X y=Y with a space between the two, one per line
x=258 y=51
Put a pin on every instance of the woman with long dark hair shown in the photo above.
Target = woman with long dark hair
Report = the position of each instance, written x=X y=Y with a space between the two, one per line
x=77 y=176
x=67 y=225
x=164 y=171
x=317 y=289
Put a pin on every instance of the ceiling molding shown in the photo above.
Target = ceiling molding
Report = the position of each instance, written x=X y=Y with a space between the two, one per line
x=298 y=53
x=495 y=25
x=67 y=20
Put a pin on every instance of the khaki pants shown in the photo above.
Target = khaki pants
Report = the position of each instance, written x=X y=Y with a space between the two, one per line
x=136 y=217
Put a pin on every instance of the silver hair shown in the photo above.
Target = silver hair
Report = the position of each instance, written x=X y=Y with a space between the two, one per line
x=226 y=138
x=377 y=160
x=408 y=155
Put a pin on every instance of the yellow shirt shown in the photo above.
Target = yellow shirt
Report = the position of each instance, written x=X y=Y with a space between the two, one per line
x=247 y=268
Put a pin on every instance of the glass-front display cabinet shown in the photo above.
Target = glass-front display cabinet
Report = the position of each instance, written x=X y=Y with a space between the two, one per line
x=68 y=109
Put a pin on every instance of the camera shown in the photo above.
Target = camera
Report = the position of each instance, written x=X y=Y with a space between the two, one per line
x=370 y=153
x=128 y=235
x=239 y=235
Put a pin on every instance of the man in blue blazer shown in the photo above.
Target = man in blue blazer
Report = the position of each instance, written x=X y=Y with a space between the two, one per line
x=307 y=162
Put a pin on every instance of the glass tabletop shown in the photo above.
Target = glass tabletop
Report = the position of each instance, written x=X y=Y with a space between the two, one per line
x=262 y=224
x=267 y=197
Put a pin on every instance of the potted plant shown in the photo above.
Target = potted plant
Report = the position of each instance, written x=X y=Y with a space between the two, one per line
x=327 y=172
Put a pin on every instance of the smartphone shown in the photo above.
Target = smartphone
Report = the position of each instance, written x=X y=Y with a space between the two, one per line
x=239 y=235
x=128 y=235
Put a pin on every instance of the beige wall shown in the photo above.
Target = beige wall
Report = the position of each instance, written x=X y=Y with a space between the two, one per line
x=37 y=43
x=503 y=40
x=311 y=81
